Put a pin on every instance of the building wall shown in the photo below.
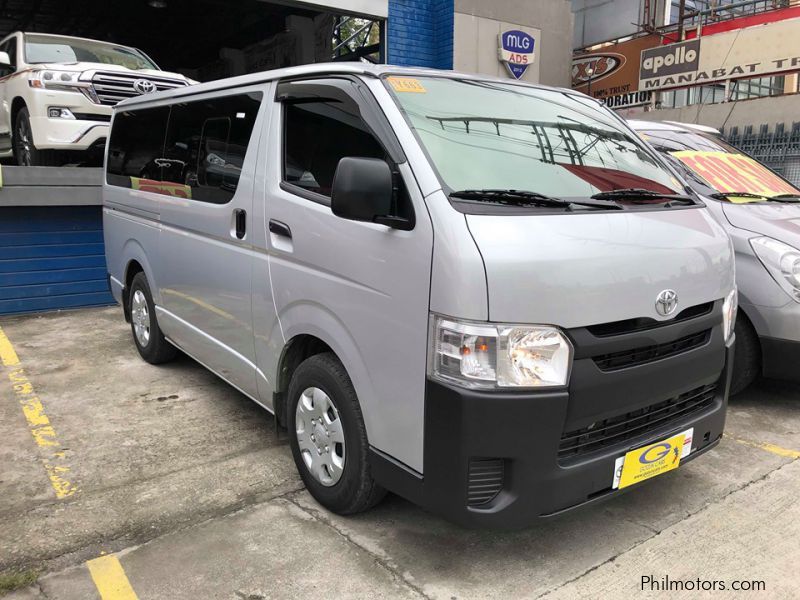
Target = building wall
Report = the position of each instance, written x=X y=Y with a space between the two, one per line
x=420 y=33
x=478 y=23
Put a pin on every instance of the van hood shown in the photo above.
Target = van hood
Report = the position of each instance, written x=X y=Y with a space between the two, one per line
x=576 y=270
x=779 y=221
x=92 y=66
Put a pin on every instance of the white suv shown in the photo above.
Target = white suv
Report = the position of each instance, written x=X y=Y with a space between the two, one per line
x=56 y=93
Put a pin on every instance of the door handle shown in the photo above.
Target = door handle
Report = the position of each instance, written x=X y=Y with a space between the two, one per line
x=240 y=217
x=279 y=228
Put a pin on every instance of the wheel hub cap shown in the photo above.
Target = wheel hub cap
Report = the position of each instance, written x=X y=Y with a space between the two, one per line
x=140 y=317
x=320 y=436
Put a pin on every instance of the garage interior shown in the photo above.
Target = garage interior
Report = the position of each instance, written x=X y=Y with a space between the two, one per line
x=207 y=39
x=51 y=240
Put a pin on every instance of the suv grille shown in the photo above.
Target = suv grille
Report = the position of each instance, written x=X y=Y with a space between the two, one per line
x=115 y=87
x=640 y=356
x=619 y=429
x=485 y=481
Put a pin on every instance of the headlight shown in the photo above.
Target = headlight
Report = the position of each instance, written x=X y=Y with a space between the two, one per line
x=729 y=306
x=64 y=80
x=782 y=261
x=489 y=355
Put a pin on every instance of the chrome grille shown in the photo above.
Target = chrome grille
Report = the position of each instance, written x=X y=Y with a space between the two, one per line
x=111 y=88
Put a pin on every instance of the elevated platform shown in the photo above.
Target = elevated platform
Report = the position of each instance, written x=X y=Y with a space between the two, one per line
x=52 y=254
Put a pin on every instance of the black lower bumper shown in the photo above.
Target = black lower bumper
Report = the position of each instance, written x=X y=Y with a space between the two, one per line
x=475 y=439
x=780 y=359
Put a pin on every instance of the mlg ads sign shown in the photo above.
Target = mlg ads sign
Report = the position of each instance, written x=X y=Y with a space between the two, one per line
x=516 y=50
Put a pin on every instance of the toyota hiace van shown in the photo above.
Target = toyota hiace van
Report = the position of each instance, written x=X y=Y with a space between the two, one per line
x=489 y=297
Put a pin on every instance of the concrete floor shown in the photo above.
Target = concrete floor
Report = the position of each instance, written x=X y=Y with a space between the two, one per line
x=181 y=478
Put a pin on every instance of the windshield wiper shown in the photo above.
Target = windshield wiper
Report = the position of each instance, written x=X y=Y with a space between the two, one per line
x=643 y=194
x=785 y=198
x=789 y=198
x=526 y=198
x=726 y=195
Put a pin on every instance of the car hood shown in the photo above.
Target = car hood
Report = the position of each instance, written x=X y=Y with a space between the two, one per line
x=780 y=221
x=91 y=66
x=584 y=269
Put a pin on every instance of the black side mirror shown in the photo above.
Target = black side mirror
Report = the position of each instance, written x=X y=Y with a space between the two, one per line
x=362 y=190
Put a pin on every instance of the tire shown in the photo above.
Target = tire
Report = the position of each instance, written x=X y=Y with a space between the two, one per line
x=150 y=342
x=349 y=487
x=746 y=355
x=25 y=152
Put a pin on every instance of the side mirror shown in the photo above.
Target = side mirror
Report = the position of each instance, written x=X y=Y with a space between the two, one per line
x=5 y=59
x=362 y=190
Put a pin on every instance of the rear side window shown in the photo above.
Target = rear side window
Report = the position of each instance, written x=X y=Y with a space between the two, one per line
x=192 y=150
x=206 y=145
x=317 y=135
x=135 y=147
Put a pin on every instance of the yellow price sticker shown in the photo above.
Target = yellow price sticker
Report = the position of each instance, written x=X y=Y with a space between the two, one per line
x=407 y=84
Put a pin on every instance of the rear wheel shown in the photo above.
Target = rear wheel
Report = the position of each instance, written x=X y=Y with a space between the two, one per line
x=328 y=437
x=150 y=342
x=25 y=152
x=746 y=355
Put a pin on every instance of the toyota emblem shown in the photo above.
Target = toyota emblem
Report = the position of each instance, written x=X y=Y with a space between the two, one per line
x=144 y=86
x=666 y=302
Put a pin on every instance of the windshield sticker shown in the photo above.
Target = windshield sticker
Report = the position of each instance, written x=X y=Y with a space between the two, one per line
x=406 y=84
x=728 y=172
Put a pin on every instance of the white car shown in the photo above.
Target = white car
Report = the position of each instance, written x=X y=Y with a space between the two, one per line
x=56 y=93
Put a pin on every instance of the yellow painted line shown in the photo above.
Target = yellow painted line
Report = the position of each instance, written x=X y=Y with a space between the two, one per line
x=52 y=454
x=110 y=579
x=785 y=452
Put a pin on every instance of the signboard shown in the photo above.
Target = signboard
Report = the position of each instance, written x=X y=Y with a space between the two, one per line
x=516 y=50
x=614 y=72
x=740 y=54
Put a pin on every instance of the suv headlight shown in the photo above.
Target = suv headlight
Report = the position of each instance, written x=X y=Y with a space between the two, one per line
x=63 y=80
x=782 y=261
x=729 y=306
x=492 y=355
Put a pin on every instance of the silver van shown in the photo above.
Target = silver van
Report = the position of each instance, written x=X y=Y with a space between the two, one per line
x=488 y=297
x=760 y=210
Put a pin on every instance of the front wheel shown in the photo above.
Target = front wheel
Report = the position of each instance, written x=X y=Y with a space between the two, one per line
x=328 y=437
x=25 y=152
x=746 y=355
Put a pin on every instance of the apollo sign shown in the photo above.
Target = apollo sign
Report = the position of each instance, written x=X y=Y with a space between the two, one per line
x=516 y=50
x=670 y=60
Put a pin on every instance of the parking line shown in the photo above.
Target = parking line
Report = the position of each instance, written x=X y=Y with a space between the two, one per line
x=110 y=579
x=51 y=451
x=786 y=452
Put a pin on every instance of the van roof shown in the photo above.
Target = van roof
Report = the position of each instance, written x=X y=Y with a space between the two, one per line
x=638 y=125
x=330 y=68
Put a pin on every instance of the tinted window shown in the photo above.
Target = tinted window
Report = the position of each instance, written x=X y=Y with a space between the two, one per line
x=317 y=135
x=206 y=145
x=11 y=47
x=135 y=145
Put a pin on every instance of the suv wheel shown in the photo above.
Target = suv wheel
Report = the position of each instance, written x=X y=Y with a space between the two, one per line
x=328 y=437
x=25 y=152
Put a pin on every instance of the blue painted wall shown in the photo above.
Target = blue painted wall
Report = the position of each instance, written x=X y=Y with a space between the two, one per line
x=420 y=33
x=52 y=257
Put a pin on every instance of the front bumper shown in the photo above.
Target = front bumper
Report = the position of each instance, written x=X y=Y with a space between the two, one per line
x=67 y=134
x=475 y=438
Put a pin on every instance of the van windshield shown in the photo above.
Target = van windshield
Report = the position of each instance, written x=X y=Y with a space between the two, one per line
x=716 y=169
x=491 y=135
x=50 y=49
